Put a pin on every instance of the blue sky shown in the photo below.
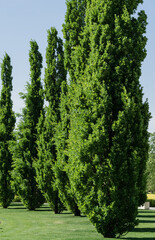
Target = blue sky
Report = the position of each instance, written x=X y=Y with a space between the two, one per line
x=23 y=20
x=148 y=77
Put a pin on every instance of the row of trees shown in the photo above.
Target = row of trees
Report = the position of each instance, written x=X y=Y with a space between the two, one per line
x=87 y=149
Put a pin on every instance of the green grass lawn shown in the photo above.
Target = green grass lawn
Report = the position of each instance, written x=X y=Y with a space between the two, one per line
x=17 y=223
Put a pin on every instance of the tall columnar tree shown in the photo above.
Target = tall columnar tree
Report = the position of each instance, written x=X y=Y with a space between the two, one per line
x=7 y=124
x=25 y=151
x=72 y=30
x=108 y=138
x=62 y=180
x=54 y=75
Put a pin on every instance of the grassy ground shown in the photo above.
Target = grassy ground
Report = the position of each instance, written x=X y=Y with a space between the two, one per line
x=18 y=223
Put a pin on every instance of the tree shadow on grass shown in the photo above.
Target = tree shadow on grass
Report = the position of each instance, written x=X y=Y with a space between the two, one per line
x=146 y=214
x=43 y=210
x=16 y=208
x=146 y=230
x=16 y=204
x=146 y=221
x=19 y=205
x=142 y=230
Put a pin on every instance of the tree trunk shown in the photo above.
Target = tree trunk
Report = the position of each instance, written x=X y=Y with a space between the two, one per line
x=77 y=211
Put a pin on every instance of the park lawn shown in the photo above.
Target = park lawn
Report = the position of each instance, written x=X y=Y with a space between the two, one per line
x=18 y=223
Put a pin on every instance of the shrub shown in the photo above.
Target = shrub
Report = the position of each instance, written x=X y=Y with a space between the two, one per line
x=151 y=199
x=16 y=199
x=152 y=202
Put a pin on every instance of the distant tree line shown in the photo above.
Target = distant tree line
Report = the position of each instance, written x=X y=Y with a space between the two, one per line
x=86 y=150
x=150 y=169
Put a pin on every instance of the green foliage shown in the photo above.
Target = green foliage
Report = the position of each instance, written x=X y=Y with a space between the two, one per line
x=16 y=199
x=62 y=180
x=25 y=148
x=7 y=124
x=54 y=75
x=108 y=139
x=152 y=202
x=72 y=31
x=150 y=170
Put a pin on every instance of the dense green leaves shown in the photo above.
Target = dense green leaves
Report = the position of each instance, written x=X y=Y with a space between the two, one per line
x=72 y=31
x=25 y=148
x=7 y=124
x=60 y=170
x=87 y=149
x=54 y=75
x=108 y=138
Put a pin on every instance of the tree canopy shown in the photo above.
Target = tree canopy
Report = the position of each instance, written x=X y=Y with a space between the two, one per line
x=54 y=75
x=7 y=124
x=24 y=150
x=107 y=150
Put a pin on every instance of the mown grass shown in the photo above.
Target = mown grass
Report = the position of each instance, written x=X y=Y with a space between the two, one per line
x=20 y=224
x=17 y=223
